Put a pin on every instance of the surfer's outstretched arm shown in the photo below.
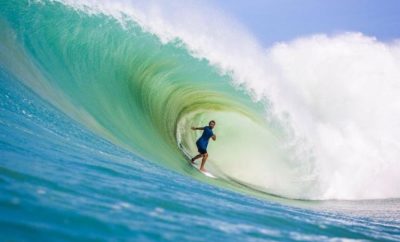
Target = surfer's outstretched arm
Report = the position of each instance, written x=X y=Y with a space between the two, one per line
x=214 y=137
x=194 y=128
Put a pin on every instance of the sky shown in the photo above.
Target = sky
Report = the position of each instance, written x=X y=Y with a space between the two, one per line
x=274 y=21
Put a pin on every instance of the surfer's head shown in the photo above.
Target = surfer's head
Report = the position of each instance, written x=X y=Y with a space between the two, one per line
x=211 y=124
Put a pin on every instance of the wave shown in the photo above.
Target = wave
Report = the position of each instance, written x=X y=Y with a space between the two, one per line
x=316 y=118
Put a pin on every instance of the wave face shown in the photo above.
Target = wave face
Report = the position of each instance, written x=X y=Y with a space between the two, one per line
x=316 y=118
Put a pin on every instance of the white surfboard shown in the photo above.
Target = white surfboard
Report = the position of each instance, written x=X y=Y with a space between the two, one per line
x=206 y=173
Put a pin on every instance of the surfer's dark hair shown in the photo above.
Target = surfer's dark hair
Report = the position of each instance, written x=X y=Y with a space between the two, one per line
x=212 y=121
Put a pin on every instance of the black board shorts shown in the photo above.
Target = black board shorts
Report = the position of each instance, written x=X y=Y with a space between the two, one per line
x=201 y=150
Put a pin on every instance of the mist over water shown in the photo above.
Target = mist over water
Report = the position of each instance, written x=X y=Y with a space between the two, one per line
x=341 y=94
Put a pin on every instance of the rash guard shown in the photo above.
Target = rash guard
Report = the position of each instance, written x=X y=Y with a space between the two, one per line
x=202 y=142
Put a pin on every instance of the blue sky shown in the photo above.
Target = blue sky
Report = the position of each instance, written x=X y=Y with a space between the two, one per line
x=282 y=20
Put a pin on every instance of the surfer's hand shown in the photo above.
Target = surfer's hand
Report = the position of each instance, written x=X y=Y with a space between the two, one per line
x=193 y=128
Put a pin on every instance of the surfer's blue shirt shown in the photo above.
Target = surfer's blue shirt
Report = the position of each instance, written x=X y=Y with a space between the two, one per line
x=202 y=142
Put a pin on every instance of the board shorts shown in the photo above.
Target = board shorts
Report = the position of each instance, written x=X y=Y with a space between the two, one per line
x=201 y=150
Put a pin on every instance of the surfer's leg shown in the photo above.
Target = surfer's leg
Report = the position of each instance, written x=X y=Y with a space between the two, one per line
x=203 y=162
x=196 y=157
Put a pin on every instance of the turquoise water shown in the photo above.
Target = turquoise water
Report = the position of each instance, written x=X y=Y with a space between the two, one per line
x=94 y=131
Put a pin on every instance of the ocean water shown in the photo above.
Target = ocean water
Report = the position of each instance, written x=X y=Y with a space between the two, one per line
x=97 y=101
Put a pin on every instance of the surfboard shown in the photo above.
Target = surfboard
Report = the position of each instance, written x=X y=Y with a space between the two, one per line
x=206 y=173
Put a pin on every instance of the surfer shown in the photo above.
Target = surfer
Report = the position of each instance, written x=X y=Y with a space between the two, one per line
x=202 y=143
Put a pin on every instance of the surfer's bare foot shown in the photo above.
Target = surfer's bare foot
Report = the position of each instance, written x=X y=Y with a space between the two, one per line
x=203 y=170
x=192 y=161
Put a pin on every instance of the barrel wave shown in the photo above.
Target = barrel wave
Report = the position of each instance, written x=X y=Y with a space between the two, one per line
x=121 y=81
x=126 y=84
